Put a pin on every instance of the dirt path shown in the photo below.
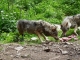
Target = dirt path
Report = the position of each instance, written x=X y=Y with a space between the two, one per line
x=51 y=51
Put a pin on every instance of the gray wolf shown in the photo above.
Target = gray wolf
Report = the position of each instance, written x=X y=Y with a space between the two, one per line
x=70 y=22
x=40 y=28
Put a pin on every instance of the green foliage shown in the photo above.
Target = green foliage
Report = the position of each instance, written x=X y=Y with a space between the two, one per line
x=35 y=9
x=6 y=37
x=7 y=25
x=69 y=32
x=70 y=7
x=51 y=11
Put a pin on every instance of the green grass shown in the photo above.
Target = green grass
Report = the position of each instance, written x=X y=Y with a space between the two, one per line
x=12 y=37
x=69 y=32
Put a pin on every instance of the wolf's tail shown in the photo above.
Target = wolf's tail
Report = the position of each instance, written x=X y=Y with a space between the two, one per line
x=20 y=27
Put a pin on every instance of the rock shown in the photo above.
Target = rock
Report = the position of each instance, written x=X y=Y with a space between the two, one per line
x=64 y=52
x=25 y=56
x=1 y=59
x=11 y=55
x=18 y=48
x=17 y=55
x=68 y=43
x=78 y=53
x=47 y=50
x=34 y=38
x=51 y=43
x=65 y=46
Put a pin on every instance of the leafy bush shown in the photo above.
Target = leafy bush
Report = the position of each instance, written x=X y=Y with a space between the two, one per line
x=6 y=37
x=35 y=9
x=7 y=25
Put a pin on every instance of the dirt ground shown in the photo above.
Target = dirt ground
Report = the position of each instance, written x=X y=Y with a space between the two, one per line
x=49 y=51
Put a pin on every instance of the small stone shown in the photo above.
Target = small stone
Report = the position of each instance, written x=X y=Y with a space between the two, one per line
x=78 y=53
x=68 y=43
x=11 y=55
x=47 y=49
x=25 y=56
x=16 y=56
x=34 y=38
x=1 y=59
x=18 y=48
x=64 y=52
x=78 y=44
x=51 y=43
x=65 y=46
x=68 y=59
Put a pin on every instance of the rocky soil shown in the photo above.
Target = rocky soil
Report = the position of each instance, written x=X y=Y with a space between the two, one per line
x=49 y=51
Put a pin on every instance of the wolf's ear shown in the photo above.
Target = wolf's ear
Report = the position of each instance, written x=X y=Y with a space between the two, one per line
x=55 y=26
x=66 y=23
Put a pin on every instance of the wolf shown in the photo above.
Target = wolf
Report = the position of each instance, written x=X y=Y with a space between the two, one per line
x=39 y=27
x=70 y=22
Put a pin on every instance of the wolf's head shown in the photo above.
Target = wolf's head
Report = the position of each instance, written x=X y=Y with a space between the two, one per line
x=65 y=27
x=66 y=24
x=54 y=32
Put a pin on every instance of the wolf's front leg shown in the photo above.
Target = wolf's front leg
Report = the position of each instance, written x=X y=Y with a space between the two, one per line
x=38 y=34
x=75 y=29
x=44 y=37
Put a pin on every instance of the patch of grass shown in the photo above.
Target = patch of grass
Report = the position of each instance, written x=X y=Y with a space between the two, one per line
x=11 y=37
x=27 y=39
x=69 y=32
x=59 y=33
x=78 y=31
